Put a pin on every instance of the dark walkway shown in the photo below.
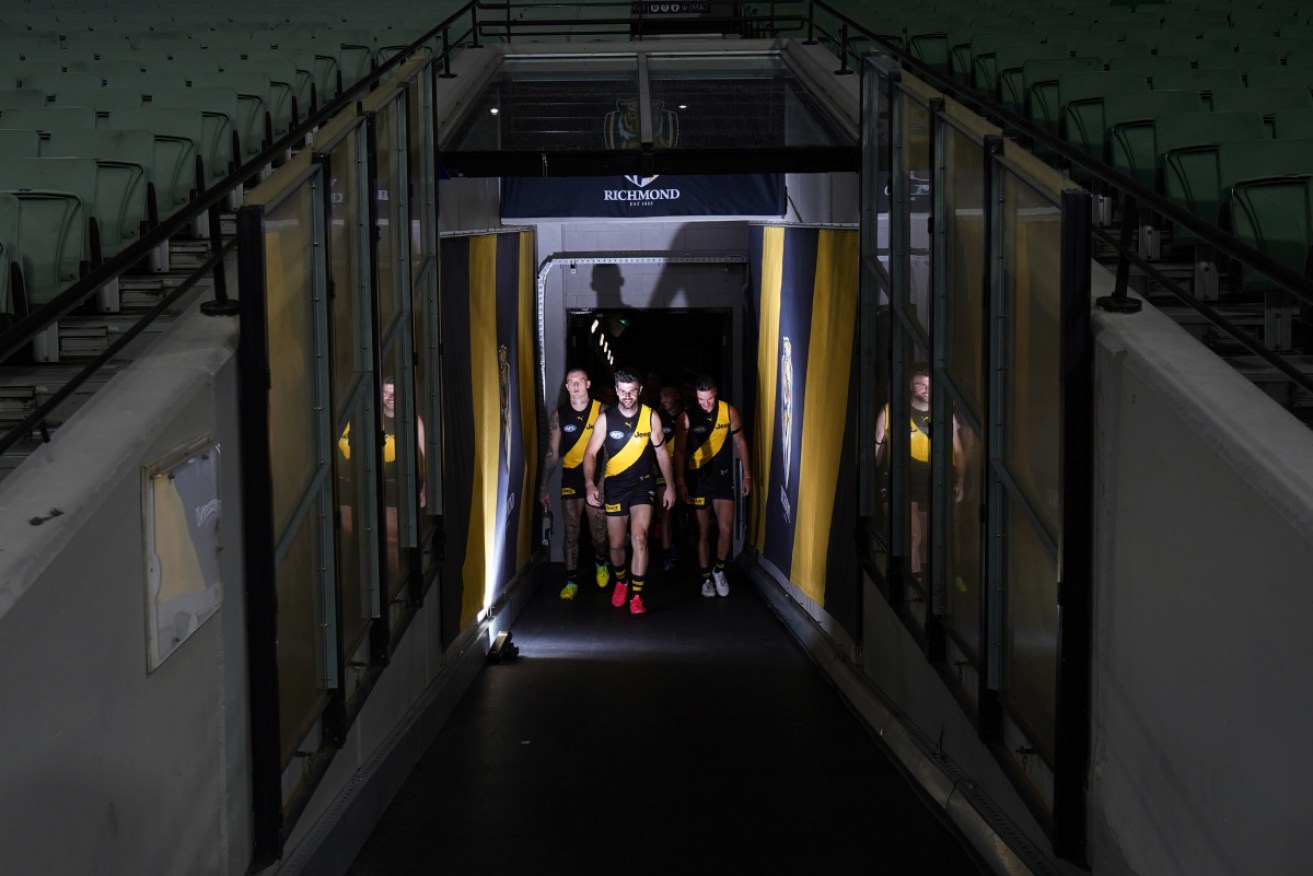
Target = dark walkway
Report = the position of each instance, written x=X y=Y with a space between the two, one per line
x=696 y=738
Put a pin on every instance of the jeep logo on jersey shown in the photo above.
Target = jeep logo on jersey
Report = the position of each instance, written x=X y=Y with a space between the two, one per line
x=616 y=434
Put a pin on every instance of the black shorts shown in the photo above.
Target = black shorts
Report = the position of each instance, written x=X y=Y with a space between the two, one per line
x=918 y=483
x=621 y=497
x=705 y=485
x=572 y=483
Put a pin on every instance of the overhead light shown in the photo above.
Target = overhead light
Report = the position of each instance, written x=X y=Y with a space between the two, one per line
x=596 y=323
x=494 y=111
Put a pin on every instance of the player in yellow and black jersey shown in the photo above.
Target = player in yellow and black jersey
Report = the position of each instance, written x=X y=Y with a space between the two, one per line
x=626 y=431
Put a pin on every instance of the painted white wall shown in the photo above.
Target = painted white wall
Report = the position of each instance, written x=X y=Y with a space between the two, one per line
x=1204 y=510
x=108 y=768
x=1202 y=611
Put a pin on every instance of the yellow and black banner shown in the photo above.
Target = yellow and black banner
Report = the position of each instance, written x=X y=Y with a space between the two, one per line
x=487 y=304
x=805 y=293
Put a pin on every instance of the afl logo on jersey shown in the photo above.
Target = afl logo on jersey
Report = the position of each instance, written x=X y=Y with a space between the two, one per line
x=699 y=430
x=616 y=434
x=570 y=427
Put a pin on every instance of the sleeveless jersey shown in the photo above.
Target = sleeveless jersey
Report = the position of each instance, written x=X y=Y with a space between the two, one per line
x=920 y=434
x=576 y=429
x=708 y=439
x=626 y=440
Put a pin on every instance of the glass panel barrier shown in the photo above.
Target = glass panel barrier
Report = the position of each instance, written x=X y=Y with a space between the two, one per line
x=349 y=267
x=964 y=558
x=1031 y=631
x=986 y=304
x=423 y=303
x=1033 y=247
x=353 y=408
x=300 y=608
x=964 y=269
x=389 y=198
x=289 y=263
x=357 y=563
x=916 y=163
x=964 y=145
x=398 y=444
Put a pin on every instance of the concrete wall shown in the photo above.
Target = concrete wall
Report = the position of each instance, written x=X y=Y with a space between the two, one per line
x=1204 y=505
x=1202 y=614
x=108 y=768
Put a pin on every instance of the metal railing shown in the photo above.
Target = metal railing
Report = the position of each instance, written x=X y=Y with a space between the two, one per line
x=20 y=336
x=851 y=39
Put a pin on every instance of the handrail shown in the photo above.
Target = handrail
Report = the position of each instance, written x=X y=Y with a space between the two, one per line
x=25 y=330
x=1210 y=233
x=1294 y=283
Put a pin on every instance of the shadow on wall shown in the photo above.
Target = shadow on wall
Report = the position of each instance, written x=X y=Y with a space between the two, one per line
x=607 y=283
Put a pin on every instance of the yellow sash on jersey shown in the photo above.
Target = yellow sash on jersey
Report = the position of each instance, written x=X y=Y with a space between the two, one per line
x=575 y=455
x=634 y=447
x=719 y=432
x=389 y=445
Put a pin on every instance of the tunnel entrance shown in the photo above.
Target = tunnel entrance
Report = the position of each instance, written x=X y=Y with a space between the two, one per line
x=674 y=344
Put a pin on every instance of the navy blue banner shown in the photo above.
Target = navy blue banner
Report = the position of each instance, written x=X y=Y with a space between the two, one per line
x=641 y=197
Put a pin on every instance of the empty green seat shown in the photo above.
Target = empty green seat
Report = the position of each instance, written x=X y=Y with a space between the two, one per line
x=1129 y=118
x=356 y=53
x=1149 y=65
x=927 y=38
x=49 y=118
x=1243 y=61
x=1040 y=82
x=220 y=114
x=1280 y=77
x=1205 y=47
x=19 y=143
x=1264 y=100
x=1270 y=200
x=102 y=100
x=1009 y=62
x=255 y=124
x=179 y=137
x=1094 y=46
x=1277 y=45
x=53 y=195
x=982 y=59
x=123 y=208
x=324 y=57
x=287 y=73
x=1293 y=124
x=10 y=268
x=51 y=83
x=16 y=97
x=1205 y=82
x=1080 y=96
x=1187 y=145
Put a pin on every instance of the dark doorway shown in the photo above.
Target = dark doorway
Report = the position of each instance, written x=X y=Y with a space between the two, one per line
x=675 y=344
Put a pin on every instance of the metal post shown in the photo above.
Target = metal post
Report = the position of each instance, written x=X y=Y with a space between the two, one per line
x=1119 y=301
x=1076 y=545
